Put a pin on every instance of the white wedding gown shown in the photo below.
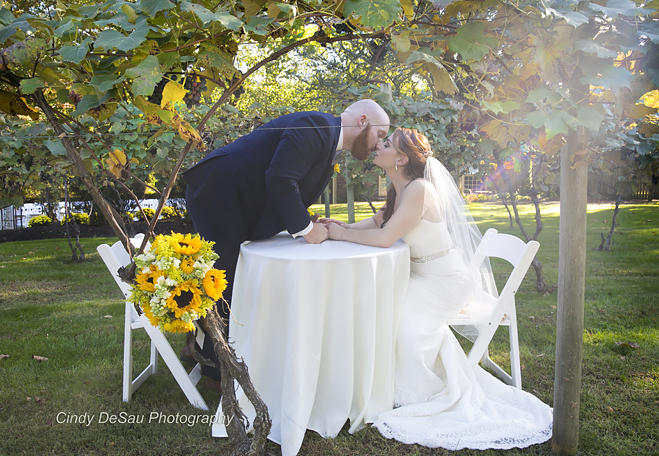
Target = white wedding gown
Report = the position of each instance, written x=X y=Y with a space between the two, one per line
x=441 y=399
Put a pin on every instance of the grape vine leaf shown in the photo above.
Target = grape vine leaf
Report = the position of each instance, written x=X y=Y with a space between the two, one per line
x=614 y=8
x=151 y=7
x=589 y=117
x=206 y=15
x=401 y=42
x=67 y=28
x=88 y=102
x=105 y=82
x=15 y=105
x=539 y=94
x=108 y=39
x=252 y=7
x=592 y=47
x=573 y=18
x=55 y=147
x=77 y=53
x=214 y=57
x=30 y=85
x=441 y=78
x=471 y=42
x=611 y=78
x=376 y=13
x=129 y=12
x=408 y=8
x=145 y=76
x=171 y=93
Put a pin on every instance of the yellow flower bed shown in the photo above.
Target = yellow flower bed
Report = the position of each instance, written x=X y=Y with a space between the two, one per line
x=176 y=282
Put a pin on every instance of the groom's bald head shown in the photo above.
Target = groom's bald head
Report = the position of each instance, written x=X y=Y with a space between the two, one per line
x=365 y=126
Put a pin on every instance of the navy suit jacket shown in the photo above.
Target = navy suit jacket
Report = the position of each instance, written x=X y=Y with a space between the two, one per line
x=279 y=170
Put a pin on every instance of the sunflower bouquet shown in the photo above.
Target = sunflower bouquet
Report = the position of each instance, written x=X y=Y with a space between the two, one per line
x=176 y=282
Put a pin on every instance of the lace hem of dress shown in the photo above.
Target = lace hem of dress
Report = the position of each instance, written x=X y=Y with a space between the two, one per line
x=458 y=441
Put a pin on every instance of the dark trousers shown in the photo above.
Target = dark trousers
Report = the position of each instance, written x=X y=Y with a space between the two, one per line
x=224 y=220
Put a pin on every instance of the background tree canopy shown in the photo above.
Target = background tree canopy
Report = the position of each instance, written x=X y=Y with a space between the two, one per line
x=482 y=79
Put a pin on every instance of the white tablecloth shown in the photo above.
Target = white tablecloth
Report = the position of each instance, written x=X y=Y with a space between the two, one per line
x=317 y=327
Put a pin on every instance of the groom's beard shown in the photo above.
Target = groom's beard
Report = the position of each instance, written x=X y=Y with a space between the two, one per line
x=360 y=149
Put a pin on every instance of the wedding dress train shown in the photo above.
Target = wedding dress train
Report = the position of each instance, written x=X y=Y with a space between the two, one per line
x=441 y=399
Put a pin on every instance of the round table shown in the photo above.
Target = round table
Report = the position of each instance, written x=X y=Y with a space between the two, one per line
x=316 y=326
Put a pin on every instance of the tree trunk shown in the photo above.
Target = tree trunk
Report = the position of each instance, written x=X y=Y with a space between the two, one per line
x=370 y=203
x=72 y=154
x=502 y=196
x=571 y=285
x=606 y=242
x=510 y=215
x=540 y=284
x=231 y=369
x=67 y=217
x=69 y=220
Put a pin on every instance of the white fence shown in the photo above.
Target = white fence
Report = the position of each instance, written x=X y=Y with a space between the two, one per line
x=14 y=217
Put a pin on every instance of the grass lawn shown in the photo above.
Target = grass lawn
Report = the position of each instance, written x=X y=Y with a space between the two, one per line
x=72 y=314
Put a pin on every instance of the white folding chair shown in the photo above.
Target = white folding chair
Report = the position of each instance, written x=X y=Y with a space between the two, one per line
x=115 y=256
x=487 y=312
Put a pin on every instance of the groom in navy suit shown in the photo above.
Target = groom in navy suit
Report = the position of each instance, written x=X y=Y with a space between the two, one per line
x=264 y=182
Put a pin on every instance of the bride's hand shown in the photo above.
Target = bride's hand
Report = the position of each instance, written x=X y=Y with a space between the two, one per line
x=328 y=221
x=335 y=231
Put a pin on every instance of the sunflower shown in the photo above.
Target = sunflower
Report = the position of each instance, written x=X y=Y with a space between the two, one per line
x=187 y=265
x=179 y=326
x=186 y=296
x=214 y=284
x=147 y=281
x=186 y=245
x=146 y=308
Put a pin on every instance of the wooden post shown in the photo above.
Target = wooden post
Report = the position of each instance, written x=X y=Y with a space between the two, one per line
x=327 y=201
x=350 y=197
x=571 y=285
x=334 y=190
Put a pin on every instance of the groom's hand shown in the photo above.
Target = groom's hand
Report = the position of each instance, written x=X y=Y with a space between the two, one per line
x=327 y=221
x=317 y=234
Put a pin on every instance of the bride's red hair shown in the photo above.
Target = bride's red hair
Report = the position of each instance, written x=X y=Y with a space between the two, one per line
x=417 y=148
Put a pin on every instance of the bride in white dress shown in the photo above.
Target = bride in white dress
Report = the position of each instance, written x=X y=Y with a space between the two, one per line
x=441 y=399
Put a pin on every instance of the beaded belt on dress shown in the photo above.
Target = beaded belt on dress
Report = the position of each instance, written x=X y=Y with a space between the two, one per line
x=434 y=256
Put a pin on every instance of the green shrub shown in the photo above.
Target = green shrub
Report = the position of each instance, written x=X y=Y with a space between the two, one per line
x=81 y=219
x=96 y=218
x=40 y=220
x=482 y=197
x=128 y=216
x=168 y=212
x=147 y=211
